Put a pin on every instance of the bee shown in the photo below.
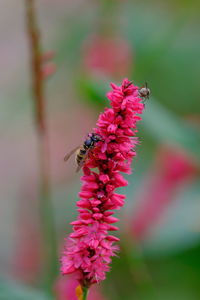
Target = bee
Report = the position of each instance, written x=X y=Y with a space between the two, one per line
x=144 y=91
x=83 y=150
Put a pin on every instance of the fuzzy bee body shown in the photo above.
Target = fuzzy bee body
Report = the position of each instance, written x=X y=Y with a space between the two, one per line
x=83 y=151
x=80 y=154
x=144 y=92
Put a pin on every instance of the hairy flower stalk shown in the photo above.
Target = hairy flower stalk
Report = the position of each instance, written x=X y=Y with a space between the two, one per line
x=89 y=248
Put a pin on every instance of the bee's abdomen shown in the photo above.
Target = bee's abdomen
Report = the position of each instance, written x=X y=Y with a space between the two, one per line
x=80 y=155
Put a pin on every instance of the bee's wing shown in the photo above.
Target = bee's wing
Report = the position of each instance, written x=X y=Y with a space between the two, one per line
x=82 y=161
x=67 y=156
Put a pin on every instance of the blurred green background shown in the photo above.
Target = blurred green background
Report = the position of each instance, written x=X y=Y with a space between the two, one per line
x=96 y=42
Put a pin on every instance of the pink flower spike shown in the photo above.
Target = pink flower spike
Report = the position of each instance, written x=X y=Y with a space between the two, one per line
x=90 y=247
x=107 y=56
x=172 y=169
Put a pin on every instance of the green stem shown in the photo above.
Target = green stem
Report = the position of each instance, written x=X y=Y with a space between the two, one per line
x=46 y=207
x=85 y=292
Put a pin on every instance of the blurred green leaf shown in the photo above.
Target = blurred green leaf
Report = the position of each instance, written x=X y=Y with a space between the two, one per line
x=166 y=127
x=161 y=124
x=166 y=51
x=10 y=290
x=179 y=227
x=93 y=91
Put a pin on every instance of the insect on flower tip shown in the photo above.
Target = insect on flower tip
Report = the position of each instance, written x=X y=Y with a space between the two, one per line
x=144 y=91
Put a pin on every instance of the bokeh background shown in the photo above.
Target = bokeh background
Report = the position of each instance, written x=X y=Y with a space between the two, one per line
x=95 y=42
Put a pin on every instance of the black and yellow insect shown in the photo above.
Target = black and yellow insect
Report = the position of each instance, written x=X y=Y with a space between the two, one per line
x=83 y=150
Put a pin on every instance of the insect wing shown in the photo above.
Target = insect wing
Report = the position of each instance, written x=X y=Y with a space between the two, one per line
x=67 y=156
x=82 y=161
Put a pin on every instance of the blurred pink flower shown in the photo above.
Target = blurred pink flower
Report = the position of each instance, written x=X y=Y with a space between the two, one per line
x=108 y=56
x=89 y=249
x=48 y=55
x=65 y=289
x=28 y=254
x=48 y=67
x=28 y=251
x=172 y=168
